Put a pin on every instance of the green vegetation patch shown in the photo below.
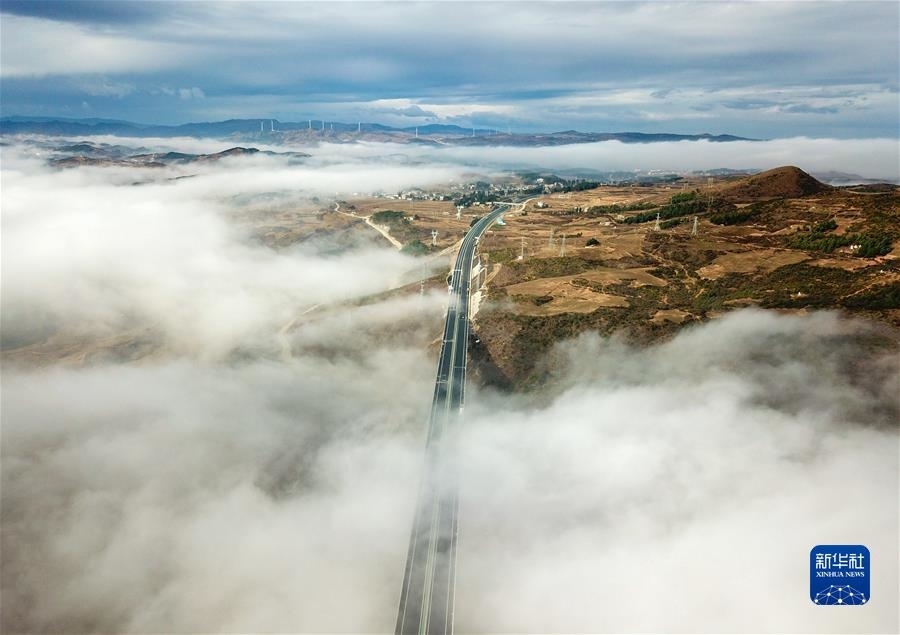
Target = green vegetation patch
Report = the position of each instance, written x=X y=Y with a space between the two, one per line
x=619 y=208
x=734 y=217
x=389 y=217
x=871 y=244
x=825 y=226
x=802 y=285
x=683 y=205
x=883 y=296
x=817 y=241
x=672 y=222
x=684 y=197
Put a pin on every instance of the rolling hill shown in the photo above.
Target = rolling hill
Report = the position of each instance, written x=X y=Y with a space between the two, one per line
x=782 y=182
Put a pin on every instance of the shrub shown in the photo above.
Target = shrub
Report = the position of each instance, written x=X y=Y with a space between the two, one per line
x=387 y=217
x=683 y=197
x=683 y=208
x=886 y=296
x=618 y=208
x=814 y=241
x=871 y=245
x=825 y=226
x=733 y=217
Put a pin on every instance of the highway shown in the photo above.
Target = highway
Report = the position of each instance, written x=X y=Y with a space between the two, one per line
x=429 y=581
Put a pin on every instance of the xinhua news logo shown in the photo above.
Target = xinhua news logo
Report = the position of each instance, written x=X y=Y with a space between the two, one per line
x=839 y=575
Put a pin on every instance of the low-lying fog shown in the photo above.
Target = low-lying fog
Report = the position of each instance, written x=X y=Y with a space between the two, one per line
x=259 y=473
x=868 y=158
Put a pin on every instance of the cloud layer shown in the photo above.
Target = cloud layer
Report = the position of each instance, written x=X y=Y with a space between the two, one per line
x=680 y=488
x=259 y=471
x=675 y=496
x=536 y=66
x=106 y=493
x=873 y=158
x=87 y=247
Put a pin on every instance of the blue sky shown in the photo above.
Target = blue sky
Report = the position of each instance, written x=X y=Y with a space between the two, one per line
x=758 y=69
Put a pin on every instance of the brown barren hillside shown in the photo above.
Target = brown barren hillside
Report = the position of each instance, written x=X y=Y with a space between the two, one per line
x=599 y=260
x=784 y=182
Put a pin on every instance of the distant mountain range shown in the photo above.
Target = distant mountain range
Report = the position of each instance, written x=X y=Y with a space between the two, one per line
x=84 y=153
x=275 y=131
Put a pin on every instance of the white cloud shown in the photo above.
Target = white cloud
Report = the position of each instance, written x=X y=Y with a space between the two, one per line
x=88 y=248
x=495 y=60
x=104 y=87
x=680 y=488
x=191 y=93
x=871 y=158
x=33 y=47
x=655 y=493
x=440 y=110
x=259 y=472
x=183 y=503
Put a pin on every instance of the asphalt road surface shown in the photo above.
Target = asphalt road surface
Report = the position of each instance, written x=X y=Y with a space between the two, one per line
x=429 y=582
